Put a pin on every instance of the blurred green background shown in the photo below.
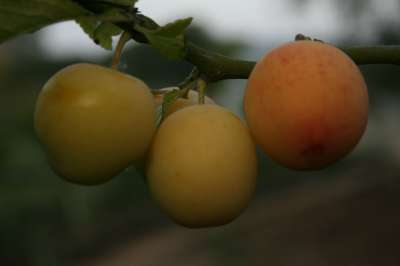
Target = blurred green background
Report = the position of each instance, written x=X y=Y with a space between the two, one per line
x=347 y=214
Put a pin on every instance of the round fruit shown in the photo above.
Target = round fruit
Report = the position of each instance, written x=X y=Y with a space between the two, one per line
x=192 y=99
x=94 y=122
x=306 y=104
x=202 y=166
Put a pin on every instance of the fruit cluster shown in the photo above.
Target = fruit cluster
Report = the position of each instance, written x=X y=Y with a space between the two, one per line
x=306 y=105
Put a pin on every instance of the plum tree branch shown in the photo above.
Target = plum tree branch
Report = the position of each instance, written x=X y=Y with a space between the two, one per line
x=216 y=67
x=380 y=54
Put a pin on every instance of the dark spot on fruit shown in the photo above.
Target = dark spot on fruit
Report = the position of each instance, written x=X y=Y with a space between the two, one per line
x=284 y=60
x=313 y=149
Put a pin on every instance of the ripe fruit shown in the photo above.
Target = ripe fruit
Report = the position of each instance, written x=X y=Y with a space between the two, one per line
x=192 y=99
x=202 y=166
x=306 y=104
x=94 y=122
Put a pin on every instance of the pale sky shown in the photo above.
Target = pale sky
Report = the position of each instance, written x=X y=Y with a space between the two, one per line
x=254 y=22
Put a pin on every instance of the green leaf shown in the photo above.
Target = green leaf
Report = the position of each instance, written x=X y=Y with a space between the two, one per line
x=104 y=32
x=168 y=99
x=100 y=6
x=169 y=39
x=100 y=30
x=176 y=28
x=26 y=16
x=88 y=25
x=107 y=10
x=126 y=3
x=121 y=2
x=172 y=48
x=159 y=115
x=114 y=15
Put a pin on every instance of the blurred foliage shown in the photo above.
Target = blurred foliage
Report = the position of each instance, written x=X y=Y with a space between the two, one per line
x=46 y=221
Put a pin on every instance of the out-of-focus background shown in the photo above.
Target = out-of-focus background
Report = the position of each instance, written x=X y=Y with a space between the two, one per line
x=348 y=214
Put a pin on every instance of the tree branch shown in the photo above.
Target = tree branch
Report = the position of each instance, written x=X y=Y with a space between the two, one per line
x=216 y=67
x=381 y=54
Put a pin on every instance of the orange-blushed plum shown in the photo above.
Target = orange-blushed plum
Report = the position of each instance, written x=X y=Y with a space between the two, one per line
x=202 y=166
x=94 y=122
x=192 y=99
x=306 y=104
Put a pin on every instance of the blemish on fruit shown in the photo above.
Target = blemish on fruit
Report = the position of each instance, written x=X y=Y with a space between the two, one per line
x=321 y=69
x=284 y=60
x=313 y=149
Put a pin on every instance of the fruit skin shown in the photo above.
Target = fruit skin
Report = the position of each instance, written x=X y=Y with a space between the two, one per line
x=192 y=99
x=306 y=104
x=94 y=122
x=202 y=166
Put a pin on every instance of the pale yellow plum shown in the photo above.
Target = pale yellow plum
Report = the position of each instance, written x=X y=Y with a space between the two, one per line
x=192 y=99
x=306 y=104
x=202 y=166
x=94 y=122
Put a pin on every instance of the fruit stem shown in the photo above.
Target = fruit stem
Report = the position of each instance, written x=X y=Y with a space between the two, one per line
x=201 y=87
x=125 y=37
x=189 y=82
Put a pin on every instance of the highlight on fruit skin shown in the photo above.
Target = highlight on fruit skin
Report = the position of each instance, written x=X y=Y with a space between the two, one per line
x=202 y=166
x=192 y=99
x=94 y=122
x=306 y=104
